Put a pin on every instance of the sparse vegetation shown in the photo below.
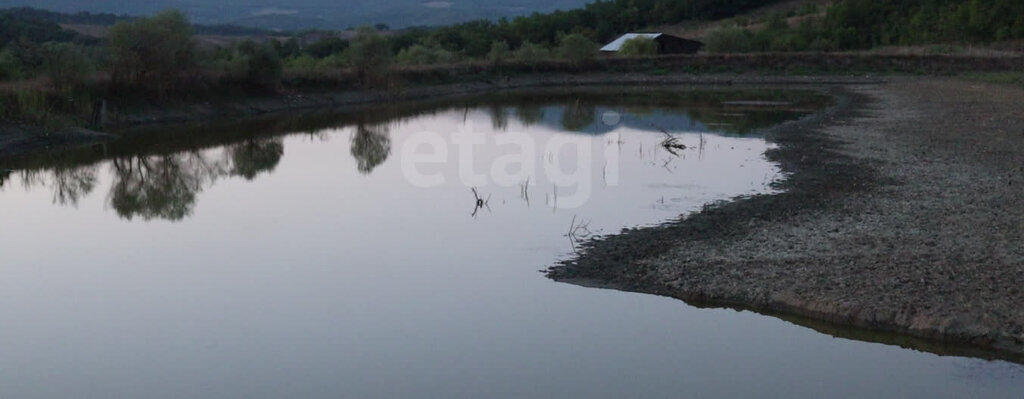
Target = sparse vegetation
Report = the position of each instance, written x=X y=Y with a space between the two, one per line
x=863 y=24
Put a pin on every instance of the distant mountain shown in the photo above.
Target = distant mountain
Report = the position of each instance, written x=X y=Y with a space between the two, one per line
x=326 y=14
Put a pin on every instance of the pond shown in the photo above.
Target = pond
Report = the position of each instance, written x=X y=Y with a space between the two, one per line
x=396 y=252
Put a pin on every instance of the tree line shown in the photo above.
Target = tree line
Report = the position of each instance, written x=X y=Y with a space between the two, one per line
x=155 y=54
x=864 y=24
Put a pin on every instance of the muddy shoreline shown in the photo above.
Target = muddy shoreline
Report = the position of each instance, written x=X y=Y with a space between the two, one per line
x=902 y=213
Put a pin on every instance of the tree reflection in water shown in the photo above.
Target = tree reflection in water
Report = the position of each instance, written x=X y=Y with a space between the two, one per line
x=499 y=117
x=163 y=186
x=71 y=184
x=253 y=157
x=67 y=183
x=578 y=116
x=371 y=146
x=166 y=185
x=529 y=115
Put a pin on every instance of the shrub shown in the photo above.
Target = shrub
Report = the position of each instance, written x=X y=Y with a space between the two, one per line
x=730 y=39
x=303 y=64
x=499 y=52
x=416 y=54
x=822 y=44
x=639 y=46
x=66 y=65
x=151 y=51
x=10 y=69
x=325 y=48
x=264 y=68
x=808 y=9
x=787 y=42
x=576 y=48
x=530 y=52
x=370 y=54
x=335 y=61
x=419 y=54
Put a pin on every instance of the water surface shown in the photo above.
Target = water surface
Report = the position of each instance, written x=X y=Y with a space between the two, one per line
x=296 y=257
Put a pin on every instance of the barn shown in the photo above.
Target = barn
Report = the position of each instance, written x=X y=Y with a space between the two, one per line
x=667 y=44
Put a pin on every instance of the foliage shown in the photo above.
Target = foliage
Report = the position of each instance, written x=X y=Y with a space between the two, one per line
x=530 y=52
x=10 y=68
x=14 y=27
x=370 y=54
x=576 y=48
x=304 y=63
x=66 y=64
x=326 y=47
x=419 y=54
x=152 y=51
x=290 y=48
x=371 y=146
x=598 y=21
x=639 y=46
x=264 y=67
x=253 y=157
x=862 y=24
x=499 y=52
x=729 y=39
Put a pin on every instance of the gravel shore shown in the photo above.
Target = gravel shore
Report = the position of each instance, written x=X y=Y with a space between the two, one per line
x=902 y=212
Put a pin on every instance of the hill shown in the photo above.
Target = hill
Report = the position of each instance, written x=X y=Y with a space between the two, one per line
x=302 y=14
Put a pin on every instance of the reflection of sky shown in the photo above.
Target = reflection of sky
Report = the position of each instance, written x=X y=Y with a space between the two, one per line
x=316 y=280
x=651 y=121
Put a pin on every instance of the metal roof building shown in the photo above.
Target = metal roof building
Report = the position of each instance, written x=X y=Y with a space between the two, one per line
x=667 y=44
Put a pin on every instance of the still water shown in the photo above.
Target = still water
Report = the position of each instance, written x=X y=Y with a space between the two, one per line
x=395 y=252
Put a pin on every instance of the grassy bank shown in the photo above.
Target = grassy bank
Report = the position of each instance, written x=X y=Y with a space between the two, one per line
x=41 y=105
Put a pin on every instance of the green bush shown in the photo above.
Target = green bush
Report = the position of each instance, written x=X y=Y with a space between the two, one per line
x=807 y=9
x=370 y=55
x=416 y=54
x=530 y=52
x=67 y=65
x=10 y=68
x=730 y=39
x=576 y=48
x=419 y=54
x=639 y=46
x=264 y=68
x=303 y=64
x=151 y=52
x=499 y=52
x=325 y=48
x=822 y=44
x=335 y=61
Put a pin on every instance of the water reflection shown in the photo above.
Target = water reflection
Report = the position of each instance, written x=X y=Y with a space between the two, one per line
x=162 y=187
x=529 y=115
x=253 y=157
x=160 y=176
x=370 y=147
x=577 y=116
